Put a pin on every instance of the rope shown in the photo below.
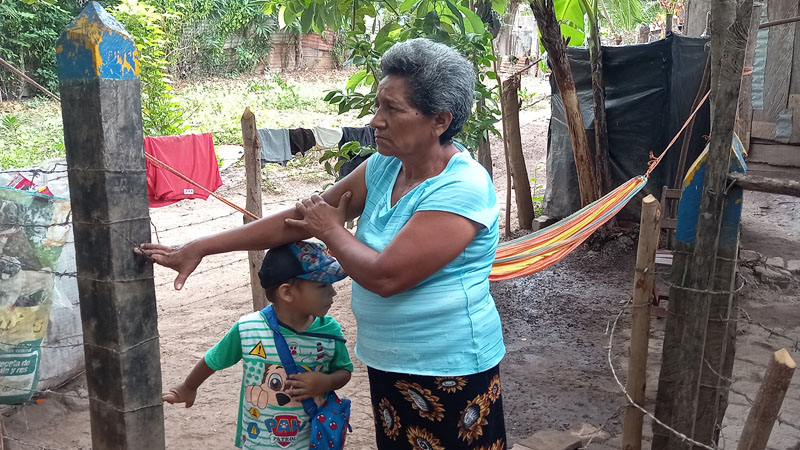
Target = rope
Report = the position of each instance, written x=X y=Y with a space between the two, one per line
x=654 y=161
x=183 y=177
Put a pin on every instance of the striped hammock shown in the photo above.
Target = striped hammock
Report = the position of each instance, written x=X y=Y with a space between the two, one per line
x=536 y=251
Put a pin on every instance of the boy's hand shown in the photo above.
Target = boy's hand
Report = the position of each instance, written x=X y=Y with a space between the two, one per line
x=305 y=385
x=180 y=394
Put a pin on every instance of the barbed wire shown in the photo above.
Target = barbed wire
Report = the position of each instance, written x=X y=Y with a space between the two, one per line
x=610 y=347
x=795 y=341
x=166 y=283
x=26 y=444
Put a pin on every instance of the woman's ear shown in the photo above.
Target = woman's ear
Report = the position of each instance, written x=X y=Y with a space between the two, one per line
x=441 y=122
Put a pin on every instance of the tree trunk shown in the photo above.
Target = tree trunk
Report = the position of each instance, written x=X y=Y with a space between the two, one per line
x=507 y=28
x=694 y=22
x=484 y=149
x=599 y=102
x=511 y=134
x=550 y=32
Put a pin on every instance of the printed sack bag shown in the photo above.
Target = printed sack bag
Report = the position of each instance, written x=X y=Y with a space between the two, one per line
x=330 y=424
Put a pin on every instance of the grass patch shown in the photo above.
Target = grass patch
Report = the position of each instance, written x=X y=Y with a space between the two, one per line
x=32 y=131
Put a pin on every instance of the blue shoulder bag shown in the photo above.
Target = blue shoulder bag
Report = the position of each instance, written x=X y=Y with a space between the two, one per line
x=331 y=421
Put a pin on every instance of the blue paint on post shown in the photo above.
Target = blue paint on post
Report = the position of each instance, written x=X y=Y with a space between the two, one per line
x=689 y=206
x=96 y=45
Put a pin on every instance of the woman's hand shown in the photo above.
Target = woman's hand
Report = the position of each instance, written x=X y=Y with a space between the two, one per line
x=319 y=217
x=180 y=258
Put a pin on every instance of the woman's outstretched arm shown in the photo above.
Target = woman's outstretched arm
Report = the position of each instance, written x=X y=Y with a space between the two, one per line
x=267 y=232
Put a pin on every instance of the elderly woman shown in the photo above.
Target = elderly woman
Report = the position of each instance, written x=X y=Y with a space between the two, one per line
x=428 y=329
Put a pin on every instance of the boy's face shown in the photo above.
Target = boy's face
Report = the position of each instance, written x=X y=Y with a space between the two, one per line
x=312 y=297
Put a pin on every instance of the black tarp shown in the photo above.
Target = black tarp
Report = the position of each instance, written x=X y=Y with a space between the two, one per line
x=649 y=93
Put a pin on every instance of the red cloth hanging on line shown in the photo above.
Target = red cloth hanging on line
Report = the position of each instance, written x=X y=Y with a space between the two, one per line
x=190 y=154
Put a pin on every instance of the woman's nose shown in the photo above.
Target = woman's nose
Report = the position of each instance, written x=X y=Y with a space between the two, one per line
x=376 y=122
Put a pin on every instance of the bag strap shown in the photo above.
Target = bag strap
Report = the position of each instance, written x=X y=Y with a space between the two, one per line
x=286 y=356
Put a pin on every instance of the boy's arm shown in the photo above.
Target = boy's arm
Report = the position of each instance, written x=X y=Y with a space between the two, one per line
x=225 y=353
x=311 y=384
x=186 y=392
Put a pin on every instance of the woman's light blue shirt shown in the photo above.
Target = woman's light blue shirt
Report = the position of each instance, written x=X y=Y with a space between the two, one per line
x=448 y=324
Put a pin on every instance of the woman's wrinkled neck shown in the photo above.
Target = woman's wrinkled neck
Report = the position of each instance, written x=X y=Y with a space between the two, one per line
x=428 y=163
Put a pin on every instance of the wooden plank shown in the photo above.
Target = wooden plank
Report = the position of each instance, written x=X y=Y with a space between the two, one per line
x=766 y=170
x=780 y=52
x=762 y=130
x=794 y=87
x=780 y=186
x=794 y=99
x=744 y=114
x=775 y=154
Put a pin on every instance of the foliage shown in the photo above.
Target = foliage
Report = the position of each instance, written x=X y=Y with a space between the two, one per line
x=628 y=14
x=31 y=131
x=570 y=15
x=28 y=33
x=31 y=134
x=216 y=106
x=161 y=114
x=341 y=155
x=446 y=22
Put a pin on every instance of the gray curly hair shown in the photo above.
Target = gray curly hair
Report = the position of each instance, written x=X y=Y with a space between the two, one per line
x=439 y=79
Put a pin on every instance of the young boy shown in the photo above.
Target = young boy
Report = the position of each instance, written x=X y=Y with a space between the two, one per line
x=298 y=281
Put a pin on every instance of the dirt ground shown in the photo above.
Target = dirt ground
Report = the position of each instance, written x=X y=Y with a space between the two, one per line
x=555 y=322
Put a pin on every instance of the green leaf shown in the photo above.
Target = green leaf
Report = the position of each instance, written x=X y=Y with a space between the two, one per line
x=477 y=25
x=356 y=78
x=456 y=15
x=570 y=15
x=406 y=6
x=306 y=19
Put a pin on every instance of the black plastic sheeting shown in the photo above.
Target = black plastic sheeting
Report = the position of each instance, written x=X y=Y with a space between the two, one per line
x=649 y=93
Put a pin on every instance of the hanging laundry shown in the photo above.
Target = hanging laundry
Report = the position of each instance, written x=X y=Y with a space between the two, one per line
x=365 y=136
x=190 y=154
x=327 y=137
x=301 y=140
x=274 y=145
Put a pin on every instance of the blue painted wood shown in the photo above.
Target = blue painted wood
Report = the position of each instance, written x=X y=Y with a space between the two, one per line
x=689 y=206
x=96 y=45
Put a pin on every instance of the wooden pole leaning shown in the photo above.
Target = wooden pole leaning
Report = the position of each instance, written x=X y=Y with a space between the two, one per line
x=252 y=167
x=767 y=404
x=101 y=111
x=640 y=326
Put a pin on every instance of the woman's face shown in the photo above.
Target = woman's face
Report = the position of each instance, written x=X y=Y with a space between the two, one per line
x=401 y=128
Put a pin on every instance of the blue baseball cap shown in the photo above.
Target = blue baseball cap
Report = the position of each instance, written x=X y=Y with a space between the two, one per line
x=302 y=259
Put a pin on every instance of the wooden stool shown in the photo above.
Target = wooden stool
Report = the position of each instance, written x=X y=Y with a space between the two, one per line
x=669 y=213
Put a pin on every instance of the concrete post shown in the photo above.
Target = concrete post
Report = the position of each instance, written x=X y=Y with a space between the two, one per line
x=98 y=67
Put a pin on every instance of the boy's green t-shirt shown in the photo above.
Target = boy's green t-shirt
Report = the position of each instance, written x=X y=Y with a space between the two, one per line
x=268 y=417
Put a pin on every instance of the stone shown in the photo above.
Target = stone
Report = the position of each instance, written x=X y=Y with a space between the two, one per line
x=552 y=440
x=793 y=266
x=543 y=222
x=774 y=275
x=775 y=261
x=586 y=431
x=749 y=256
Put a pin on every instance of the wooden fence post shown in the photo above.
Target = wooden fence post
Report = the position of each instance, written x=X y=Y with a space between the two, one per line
x=101 y=110
x=768 y=402
x=727 y=44
x=640 y=324
x=252 y=168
